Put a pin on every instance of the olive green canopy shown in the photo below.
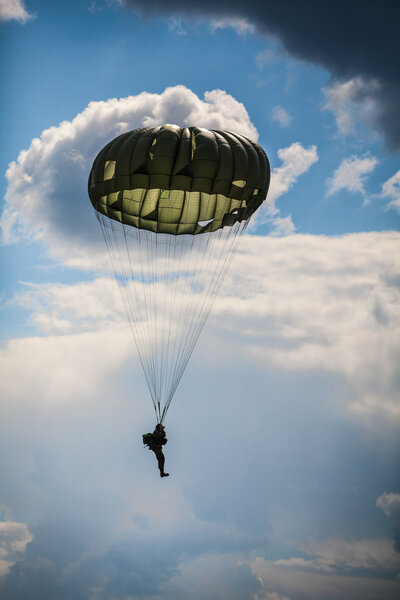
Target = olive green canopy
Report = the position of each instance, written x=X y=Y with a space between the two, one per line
x=179 y=181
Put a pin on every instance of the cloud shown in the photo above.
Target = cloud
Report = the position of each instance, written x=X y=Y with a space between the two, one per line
x=103 y=527
x=351 y=174
x=390 y=504
x=336 y=38
x=353 y=102
x=296 y=160
x=271 y=596
x=71 y=367
x=107 y=528
x=61 y=308
x=282 y=226
x=14 y=537
x=241 y=26
x=175 y=25
x=333 y=571
x=266 y=56
x=51 y=174
x=280 y=116
x=213 y=576
x=14 y=10
x=290 y=301
x=300 y=584
x=74 y=406
x=374 y=554
x=293 y=300
x=47 y=186
x=391 y=189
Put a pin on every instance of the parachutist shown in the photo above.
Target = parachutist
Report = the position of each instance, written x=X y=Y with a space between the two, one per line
x=155 y=441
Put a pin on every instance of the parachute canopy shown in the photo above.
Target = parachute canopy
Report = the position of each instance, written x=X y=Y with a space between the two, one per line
x=179 y=181
x=172 y=204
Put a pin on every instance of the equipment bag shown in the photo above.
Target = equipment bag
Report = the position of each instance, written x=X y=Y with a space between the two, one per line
x=147 y=439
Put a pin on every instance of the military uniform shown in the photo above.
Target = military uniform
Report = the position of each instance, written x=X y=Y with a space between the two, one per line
x=155 y=441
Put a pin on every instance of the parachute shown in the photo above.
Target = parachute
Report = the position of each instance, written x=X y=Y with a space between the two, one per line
x=172 y=204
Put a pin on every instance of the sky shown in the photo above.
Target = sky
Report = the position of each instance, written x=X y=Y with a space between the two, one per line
x=284 y=432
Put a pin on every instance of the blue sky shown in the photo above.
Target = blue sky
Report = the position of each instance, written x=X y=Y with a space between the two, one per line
x=284 y=432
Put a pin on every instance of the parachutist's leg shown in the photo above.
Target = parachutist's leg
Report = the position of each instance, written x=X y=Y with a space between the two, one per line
x=161 y=460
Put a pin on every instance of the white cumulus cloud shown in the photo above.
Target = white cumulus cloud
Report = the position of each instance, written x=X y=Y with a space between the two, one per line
x=391 y=189
x=282 y=226
x=47 y=185
x=296 y=160
x=280 y=116
x=14 y=10
x=351 y=174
